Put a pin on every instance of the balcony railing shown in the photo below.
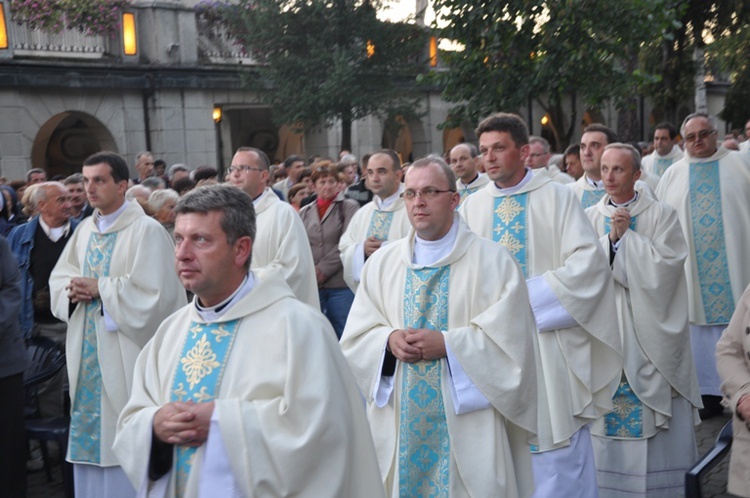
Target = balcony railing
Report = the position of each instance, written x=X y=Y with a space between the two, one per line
x=69 y=44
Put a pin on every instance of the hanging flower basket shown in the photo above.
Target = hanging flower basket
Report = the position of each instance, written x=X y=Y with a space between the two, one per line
x=91 y=17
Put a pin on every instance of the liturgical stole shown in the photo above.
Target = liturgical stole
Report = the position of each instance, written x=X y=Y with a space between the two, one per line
x=85 y=416
x=198 y=377
x=710 y=246
x=510 y=226
x=424 y=442
x=380 y=224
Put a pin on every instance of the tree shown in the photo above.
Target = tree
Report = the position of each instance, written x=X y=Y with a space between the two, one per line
x=323 y=61
x=518 y=50
x=676 y=56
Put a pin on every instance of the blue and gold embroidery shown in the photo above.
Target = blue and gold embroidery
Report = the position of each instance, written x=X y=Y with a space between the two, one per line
x=424 y=442
x=509 y=223
x=198 y=378
x=380 y=224
x=591 y=197
x=710 y=246
x=626 y=419
x=661 y=165
x=85 y=416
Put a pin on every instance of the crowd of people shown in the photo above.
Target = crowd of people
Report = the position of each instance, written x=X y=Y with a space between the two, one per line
x=515 y=323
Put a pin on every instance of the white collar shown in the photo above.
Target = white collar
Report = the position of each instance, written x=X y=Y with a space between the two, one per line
x=213 y=313
x=104 y=221
x=56 y=233
x=428 y=252
x=515 y=188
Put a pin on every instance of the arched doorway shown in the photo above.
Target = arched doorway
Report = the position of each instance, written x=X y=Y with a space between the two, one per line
x=66 y=140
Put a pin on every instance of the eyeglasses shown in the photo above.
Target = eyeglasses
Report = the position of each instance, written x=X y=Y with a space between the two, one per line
x=242 y=169
x=429 y=193
x=701 y=134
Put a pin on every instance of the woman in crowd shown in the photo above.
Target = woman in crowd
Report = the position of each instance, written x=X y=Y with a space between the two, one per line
x=326 y=220
x=162 y=203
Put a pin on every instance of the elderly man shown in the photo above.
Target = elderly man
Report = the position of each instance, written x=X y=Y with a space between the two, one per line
x=710 y=189
x=113 y=288
x=464 y=160
x=538 y=161
x=37 y=245
x=281 y=242
x=572 y=295
x=666 y=150
x=647 y=443
x=144 y=166
x=79 y=207
x=380 y=221
x=244 y=392
x=431 y=317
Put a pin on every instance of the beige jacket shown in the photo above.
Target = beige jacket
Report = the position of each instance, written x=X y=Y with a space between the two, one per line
x=733 y=363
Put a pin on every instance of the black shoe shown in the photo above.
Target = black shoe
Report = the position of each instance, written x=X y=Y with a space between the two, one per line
x=712 y=407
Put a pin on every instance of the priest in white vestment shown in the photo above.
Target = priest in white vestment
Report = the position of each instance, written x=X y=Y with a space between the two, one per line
x=464 y=162
x=710 y=190
x=378 y=222
x=666 y=151
x=244 y=392
x=113 y=286
x=645 y=446
x=441 y=341
x=281 y=240
x=538 y=161
x=572 y=295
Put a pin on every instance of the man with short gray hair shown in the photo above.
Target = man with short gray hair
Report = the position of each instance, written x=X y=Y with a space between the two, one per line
x=538 y=161
x=647 y=448
x=144 y=166
x=244 y=392
x=710 y=189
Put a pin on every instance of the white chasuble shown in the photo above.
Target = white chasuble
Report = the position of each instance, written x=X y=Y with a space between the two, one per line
x=469 y=295
x=133 y=259
x=386 y=224
x=543 y=225
x=281 y=244
x=712 y=199
x=290 y=417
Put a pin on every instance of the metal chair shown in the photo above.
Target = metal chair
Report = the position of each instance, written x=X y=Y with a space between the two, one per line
x=45 y=360
x=707 y=462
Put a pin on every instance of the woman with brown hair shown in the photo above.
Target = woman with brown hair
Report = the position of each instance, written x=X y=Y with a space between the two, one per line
x=326 y=220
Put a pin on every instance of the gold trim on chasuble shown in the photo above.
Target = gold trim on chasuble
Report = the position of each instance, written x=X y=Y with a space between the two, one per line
x=424 y=443
x=198 y=377
x=86 y=412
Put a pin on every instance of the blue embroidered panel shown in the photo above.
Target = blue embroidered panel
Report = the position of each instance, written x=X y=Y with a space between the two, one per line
x=626 y=420
x=591 y=197
x=380 y=224
x=85 y=415
x=424 y=442
x=661 y=165
x=198 y=378
x=710 y=247
x=509 y=226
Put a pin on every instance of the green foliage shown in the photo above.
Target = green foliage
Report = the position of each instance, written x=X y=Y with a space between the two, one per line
x=313 y=64
x=521 y=49
x=91 y=17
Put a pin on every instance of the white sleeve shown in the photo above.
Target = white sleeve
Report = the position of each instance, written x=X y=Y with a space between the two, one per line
x=466 y=396
x=381 y=393
x=216 y=477
x=358 y=261
x=548 y=311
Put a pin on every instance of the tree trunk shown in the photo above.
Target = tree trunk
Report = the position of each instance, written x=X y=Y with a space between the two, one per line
x=346 y=131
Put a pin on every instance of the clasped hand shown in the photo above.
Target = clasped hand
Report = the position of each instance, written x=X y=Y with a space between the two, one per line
x=183 y=423
x=412 y=345
x=620 y=224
